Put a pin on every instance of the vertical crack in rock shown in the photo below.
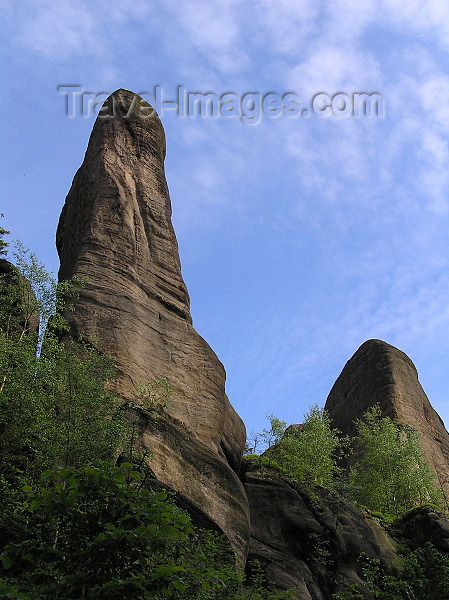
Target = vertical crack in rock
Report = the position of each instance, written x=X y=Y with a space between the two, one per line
x=115 y=230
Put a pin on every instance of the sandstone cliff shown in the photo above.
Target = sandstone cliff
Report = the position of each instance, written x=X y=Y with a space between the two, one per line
x=314 y=540
x=115 y=230
x=379 y=373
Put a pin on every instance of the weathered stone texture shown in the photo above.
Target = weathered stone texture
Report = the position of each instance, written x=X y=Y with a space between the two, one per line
x=311 y=541
x=424 y=524
x=115 y=230
x=380 y=373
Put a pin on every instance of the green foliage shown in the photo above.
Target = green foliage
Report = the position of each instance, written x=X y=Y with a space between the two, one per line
x=258 y=588
x=99 y=532
x=154 y=396
x=270 y=438
x=56 y=408
x=381 y=584
x=320 y=554
x=308 y=452
x=427 y=571
x=49 y=298
x=424 y=576
x=3 y=245
x=87 y=529
x=349 y=592
x=55 y=405
x=390 y=474
x=87 y=418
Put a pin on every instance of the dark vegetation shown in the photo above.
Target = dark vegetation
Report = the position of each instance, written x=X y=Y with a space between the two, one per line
x=79 y=516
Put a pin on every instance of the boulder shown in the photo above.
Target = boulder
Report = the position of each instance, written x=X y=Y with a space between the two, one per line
x=425 y=524
x=115 y=231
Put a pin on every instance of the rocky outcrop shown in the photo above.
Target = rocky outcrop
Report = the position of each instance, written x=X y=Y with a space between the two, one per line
x=379 y=373
x=424 y=524
x=21 y=298
x=312 y=541
x=115 y=231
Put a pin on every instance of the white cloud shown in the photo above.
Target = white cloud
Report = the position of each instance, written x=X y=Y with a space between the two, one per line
x=58 y=29
x=434 y=95
x=348 y=19
x=332 y=69
x=285 y=26
x=209 y=25
x=429 y=17
x=61 y=30
x=372 y=194
x=214 y=30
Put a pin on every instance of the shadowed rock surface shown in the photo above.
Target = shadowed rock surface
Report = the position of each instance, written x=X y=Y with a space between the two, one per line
x=379 y=373
x=115 y=230
x=311 y=541
x=424 y=524
x=29 y=319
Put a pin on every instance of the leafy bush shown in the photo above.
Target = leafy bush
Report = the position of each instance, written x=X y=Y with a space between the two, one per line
x=56 y=408
x=154 y=396
x=424 y=576
x=100 y=532
x=310 y=452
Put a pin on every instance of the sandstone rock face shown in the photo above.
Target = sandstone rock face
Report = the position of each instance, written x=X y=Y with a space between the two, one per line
x=311 y=541
x=424 y=525
x=115 y=230
x=380 y=373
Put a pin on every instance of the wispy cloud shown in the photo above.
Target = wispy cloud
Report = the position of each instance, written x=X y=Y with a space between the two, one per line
x=361 y=204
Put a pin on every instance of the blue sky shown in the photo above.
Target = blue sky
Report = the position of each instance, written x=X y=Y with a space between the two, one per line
x=300 y=238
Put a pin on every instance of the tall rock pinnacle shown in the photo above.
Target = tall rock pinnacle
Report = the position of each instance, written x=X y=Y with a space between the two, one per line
x=379 y=373
x=115 y=230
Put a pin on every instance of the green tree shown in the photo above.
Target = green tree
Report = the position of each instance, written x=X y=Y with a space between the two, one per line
x=310 y=451
x=424 y=575
x=270 y=438
x=390 y=473
x=55 y=404
x=56 y=409
x=84 y=529
x=426 y=570
x=3 y=245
